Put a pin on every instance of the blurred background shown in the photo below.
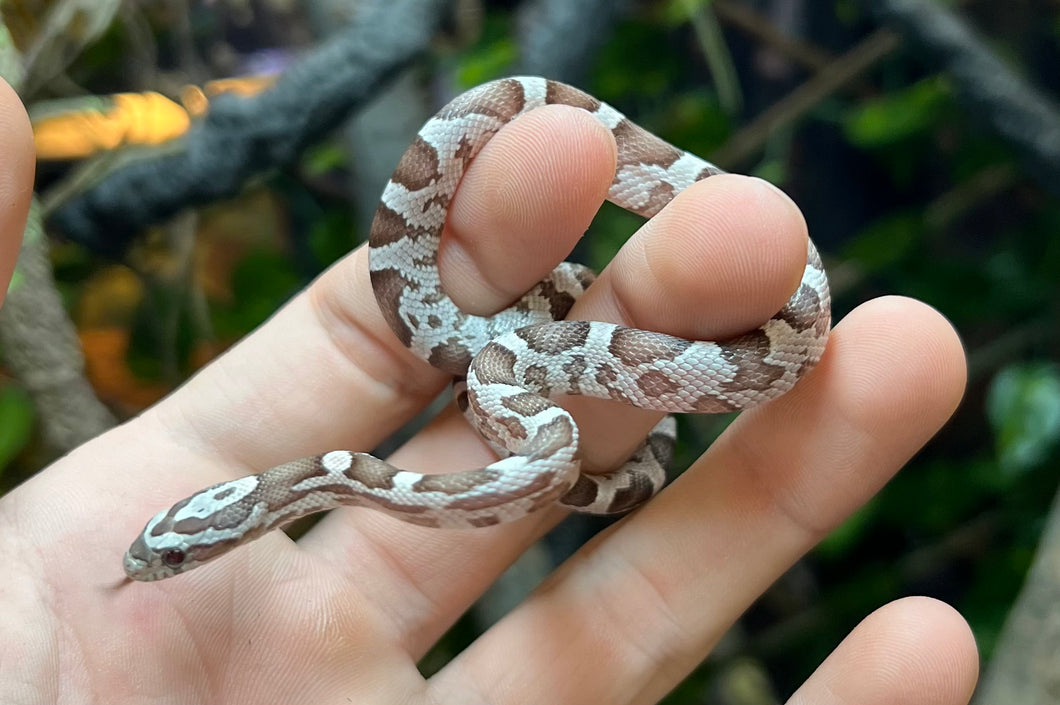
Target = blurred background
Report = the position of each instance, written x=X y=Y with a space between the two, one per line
x=200 y=161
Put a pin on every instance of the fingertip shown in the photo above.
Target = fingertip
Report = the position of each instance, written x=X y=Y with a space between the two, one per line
x=15 y=133
x=525 y=200
x=721 y=259
x=939 y=343
x=16 y=178
x=910 y=366
x=930 y=631
x=912 y=651
x=732 y=247
x=892 y=374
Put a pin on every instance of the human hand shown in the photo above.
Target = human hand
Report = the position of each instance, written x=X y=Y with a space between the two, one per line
x=344 y=614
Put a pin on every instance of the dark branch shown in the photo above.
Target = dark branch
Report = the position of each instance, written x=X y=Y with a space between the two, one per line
x=41 y=348
x=242 y=137
x=560 y=38
x=990 y=89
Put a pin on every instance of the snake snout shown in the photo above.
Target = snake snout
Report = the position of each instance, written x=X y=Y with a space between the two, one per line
x=144 y=562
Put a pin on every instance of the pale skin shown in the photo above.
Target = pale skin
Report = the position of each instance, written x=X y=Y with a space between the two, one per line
x=344 y=614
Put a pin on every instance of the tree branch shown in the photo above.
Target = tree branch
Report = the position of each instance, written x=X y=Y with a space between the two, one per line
x=41 y=348
x=990 y=89
x=243 y=137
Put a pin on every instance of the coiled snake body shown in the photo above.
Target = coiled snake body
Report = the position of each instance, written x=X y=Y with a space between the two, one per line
x=514 y=361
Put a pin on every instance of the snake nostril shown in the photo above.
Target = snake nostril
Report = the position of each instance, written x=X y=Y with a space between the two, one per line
x=173 y=558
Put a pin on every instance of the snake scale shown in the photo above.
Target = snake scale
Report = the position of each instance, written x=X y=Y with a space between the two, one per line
x=514 y=361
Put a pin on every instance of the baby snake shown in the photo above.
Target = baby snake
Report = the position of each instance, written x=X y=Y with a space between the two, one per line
x=514 y=360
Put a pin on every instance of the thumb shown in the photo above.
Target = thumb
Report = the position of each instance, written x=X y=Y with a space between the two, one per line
x=16 y=179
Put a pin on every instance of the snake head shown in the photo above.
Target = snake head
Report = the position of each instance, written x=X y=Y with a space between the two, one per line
x=148 y=559
x=195 y=530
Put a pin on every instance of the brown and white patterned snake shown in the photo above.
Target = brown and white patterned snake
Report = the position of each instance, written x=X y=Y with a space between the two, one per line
x=514 y=361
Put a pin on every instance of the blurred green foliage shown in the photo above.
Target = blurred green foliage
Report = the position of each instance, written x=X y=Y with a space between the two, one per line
x=16 y=423
x=899 y=116
x=1023 y=405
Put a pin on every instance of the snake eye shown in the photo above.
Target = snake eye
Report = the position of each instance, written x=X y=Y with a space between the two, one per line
x=173 y=558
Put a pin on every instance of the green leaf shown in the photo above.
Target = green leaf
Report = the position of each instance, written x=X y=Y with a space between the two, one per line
x=898 y=115
x=694 y=120
x=646 y=86
x=16 y=280
x=16 y=423
x=1023 y=405
x=678 y=12
x=848 y=12
x=610 y=229
x=325 y=157
x=839 y=543
x=885 y=241
x=332 y=235
x=487 y=63
x=775 y=171
x=261 y=283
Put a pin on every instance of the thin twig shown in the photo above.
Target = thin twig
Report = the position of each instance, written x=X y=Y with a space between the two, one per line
x=745 y=18
x=41 y=347
x=716 y=52
x=807 y=96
